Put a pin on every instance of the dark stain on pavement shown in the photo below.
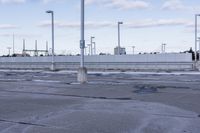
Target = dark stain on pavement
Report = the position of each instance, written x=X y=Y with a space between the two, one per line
x=146 y=89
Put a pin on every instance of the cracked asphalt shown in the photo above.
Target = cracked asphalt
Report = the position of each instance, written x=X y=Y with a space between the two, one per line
x=111 y=102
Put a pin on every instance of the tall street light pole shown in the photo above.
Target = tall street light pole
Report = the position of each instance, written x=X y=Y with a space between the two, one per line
x=119 y=23
x=89 y=49
x=95 y=48
x=196 y=30
x=198 y=49
x=164 y=47
x=52 y=19
x=199 y=43
x=85 y=50
x=13 y=43
x=82 y=41
x=24 y=47
x=91 y=39
x=82 y=72
x=133 y=49
x=9 y=51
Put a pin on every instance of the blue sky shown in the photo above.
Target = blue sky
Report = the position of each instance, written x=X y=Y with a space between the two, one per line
x=147 y=24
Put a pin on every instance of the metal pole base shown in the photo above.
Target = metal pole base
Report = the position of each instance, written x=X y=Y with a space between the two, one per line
x=197 y=66
x=52 y=68
x=82 y=75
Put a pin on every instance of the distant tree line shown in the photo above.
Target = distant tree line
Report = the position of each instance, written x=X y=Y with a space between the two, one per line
x=193 y=53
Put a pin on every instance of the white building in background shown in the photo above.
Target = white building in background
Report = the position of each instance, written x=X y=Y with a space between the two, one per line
x=122 y=51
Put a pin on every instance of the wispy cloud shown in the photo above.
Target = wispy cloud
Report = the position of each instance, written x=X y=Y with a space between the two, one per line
x=90 y=24
x=12 y=1
x=21 y=35
x=178 y=5
x=8 y=26
x=157 y=23
x=24 y=1
x=121 y=4
x=147 y=23
x=173 y=5
x=47 y=1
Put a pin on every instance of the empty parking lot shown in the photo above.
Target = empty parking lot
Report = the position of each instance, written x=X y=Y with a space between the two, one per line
x=114 y=102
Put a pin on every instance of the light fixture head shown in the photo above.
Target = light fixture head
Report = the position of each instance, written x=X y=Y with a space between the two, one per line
x=49 y=11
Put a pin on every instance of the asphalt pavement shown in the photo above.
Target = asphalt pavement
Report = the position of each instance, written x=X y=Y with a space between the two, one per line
x=111 y=102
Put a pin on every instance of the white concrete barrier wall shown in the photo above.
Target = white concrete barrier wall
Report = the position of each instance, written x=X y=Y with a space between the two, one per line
x=173 y=61
x=107 y=58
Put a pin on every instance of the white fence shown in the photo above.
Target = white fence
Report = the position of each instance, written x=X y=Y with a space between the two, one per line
x=173 y=61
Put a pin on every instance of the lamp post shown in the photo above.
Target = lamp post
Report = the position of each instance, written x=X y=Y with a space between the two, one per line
x=133 y=49
x=119 y=23
x=36 y=50
x=82 y=71
x=199 y=48
x=9 y=48
x=24 y=47
x=196 y=30
x=95 y=48
x=86 y=50
x=13 y=43
x=82 y=41
x=199 y=43
x=89 y=49
x=91 y=39
x=164 y=47
x=50 y=50
x=47 y=47
x=52 y=19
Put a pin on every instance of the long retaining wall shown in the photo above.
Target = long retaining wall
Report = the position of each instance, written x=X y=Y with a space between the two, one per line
x=171 y=61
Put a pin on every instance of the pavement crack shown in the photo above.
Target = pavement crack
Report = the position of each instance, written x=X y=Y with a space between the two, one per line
x=77 y=96
x=23 y=123
x=178 y=116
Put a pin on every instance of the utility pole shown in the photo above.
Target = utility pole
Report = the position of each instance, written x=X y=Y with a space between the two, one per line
x=89 y=49
x=198 y=51
x=24 y=47
x=82 y=71
x=9 y=48
x=85 y=50
x=82 y=41
x=52 y=28
x=133 y=49
x=119 y=47
x=36 y=51
x=164 y=48
x=94 y=48
x=47 y=48
x=91 y=40
x=199 y=44
x=13 y=43
x=196 y=30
